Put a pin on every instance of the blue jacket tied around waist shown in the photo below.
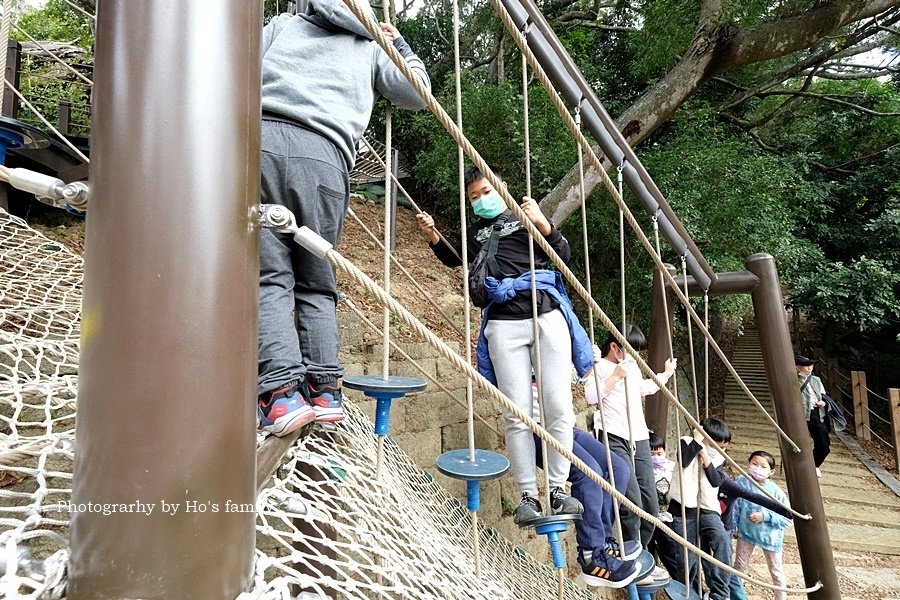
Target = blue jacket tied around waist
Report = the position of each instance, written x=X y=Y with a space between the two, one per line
x=546 y=281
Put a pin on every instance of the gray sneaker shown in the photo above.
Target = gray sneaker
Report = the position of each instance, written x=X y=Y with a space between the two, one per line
x=528 y=510
x=563 y=504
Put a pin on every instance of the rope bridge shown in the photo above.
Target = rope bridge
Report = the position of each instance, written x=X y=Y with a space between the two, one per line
x=390 y=532
x=396 y=535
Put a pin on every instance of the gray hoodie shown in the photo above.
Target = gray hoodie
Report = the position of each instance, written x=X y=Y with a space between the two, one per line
x=324 y=71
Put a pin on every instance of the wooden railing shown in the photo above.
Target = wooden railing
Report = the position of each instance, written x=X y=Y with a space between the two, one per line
x=853 y=387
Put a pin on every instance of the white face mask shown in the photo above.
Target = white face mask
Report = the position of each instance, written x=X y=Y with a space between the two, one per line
x=757 y=473
x=713 y=454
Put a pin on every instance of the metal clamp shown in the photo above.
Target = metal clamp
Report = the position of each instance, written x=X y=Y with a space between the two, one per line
x=50 y=190
x=282 y=220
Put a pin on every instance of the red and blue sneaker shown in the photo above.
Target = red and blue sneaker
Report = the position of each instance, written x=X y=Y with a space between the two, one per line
x=284 y=409
x=326 y=400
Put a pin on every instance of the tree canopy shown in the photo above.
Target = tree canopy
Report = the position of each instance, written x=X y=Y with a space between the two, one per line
x=769 y=126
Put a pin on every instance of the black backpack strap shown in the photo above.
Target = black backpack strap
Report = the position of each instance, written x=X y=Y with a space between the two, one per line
x=490 y=258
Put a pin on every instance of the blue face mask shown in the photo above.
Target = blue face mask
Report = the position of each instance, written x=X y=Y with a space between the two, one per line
x=489 y=206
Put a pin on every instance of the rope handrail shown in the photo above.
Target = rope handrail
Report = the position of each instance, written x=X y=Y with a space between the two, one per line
x=340 y=262
x=567 y=273
x=883 y=441
x=877 y=395
x=405 y=193
x=879 y=417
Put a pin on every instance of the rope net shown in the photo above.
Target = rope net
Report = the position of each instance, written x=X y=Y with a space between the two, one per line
x=396 y=536
x=325 y=524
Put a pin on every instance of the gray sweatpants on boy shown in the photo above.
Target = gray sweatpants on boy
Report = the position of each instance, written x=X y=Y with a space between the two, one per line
x=511 y=344
x=298 y=334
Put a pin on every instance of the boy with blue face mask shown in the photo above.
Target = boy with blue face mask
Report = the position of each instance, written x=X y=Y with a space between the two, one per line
x=506 y=344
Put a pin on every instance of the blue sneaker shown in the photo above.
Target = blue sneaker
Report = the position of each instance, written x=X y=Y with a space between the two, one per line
x=326 y=400
x=285 y=409
x=603 y=570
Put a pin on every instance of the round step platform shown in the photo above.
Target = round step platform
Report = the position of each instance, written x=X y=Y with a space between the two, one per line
x=393 y=385
x=487 y=465
x=676 y=590
x=646 y=564
x=545 y=519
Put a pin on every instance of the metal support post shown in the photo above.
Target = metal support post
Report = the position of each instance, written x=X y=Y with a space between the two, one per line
x=662 y=314
x=166 y=416
x=813 y=542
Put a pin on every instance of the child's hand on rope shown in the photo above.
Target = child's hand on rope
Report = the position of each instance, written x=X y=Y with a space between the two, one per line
x=389 y=31
x=533 y=212
x=426 y=224
x=671 y=363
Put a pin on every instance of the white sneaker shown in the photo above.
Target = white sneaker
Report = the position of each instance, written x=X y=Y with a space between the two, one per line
x=648 y=580
x=659 y=574
x=818 y=472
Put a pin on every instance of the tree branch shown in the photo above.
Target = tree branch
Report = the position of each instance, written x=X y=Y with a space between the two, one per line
x=867 y=156
x=852 y=76
x=713 y=51
x=829 y=98
x=778 y=38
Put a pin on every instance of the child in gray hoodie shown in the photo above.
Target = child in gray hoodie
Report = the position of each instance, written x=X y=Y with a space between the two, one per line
x=321 y=75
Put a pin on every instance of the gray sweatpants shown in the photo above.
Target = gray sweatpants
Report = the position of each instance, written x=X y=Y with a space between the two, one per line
x=511 y=344
x=298 y=334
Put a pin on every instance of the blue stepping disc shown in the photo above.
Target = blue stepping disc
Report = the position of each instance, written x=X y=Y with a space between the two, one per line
x=22 y=134
x=646 y=563
x=374 y=385
x=653 y=587
x=487 y=465
x=676 y=590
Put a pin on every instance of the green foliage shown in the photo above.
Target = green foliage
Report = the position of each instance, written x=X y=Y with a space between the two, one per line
x=493 y=121
x=668 y=27
x=56 y=20
x=43 y=81
x=734 y=199
x=858 y=296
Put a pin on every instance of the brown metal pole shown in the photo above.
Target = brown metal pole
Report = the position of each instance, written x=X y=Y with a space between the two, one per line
x=65 y=117
x=813 y=542
x=166 y=422
x=662 y=314
x=735 y=282
x=13 y=70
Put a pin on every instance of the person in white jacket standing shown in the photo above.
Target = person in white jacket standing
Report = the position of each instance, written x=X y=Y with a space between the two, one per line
x=617 y=383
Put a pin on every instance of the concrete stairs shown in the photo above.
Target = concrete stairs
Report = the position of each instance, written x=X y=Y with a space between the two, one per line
x=863 y=513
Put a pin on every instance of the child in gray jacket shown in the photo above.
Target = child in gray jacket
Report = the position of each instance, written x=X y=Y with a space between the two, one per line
x=321 y=75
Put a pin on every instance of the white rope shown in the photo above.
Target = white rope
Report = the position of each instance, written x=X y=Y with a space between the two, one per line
x=428 y=297
x=690 y=333
x=47 y=123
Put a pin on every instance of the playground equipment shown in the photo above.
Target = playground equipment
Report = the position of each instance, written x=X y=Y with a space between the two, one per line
x=178 y=232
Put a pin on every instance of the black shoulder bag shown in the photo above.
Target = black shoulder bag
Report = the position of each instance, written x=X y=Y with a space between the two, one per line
x=485 y=263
